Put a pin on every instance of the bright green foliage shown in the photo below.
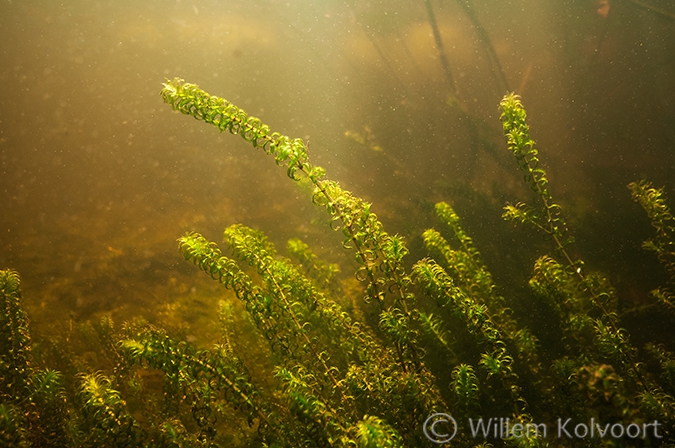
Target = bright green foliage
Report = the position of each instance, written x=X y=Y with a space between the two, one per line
x=394 y=324
x=496 y=363
x=666 y=360
x=191 y=100
x=12 y=431
x=663 y=244
x=107 y=422
x=463 y=266
x=323 y=356
x=208 y=257
x=495 y=359
x=546 y=215
x=379 y=254
x=465 y=390
x=532 y=438
x=611 y=343
x=338 y=374
x=610 y=340
x=316 y=323
x=33 y=402
x=376 y=251
x=433 y=325
x=15 y=344
x=48 y=394
x=204 y=380
x=473 y=278
x=574 y=294
x=553 y=283
x=322 y=422
x=447 y=216
x=438 y=285
x=660 y=407
x=372 y=432
x=324 y=274
x=565 y=295
x=664 y=296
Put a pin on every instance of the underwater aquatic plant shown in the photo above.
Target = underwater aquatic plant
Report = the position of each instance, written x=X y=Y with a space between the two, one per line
x=339 y=378
x=663 y=244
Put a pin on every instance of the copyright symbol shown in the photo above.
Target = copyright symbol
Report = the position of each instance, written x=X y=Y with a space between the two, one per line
x=435 y=428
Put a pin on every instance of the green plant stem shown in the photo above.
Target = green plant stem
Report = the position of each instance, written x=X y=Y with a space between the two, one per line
x=328 y=371
x=362 y=228
x=517 y=134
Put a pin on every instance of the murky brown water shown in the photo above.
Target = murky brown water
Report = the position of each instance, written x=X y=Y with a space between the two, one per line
x=99 y=177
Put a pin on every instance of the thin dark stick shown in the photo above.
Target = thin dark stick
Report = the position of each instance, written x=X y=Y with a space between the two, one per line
x=440 y=48
x=487 y=45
